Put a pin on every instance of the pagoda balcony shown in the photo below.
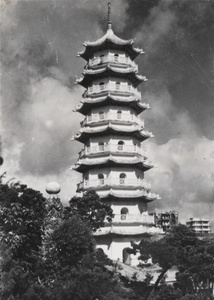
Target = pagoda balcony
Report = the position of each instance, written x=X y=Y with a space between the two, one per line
x=113 y=88
x=118 y=61
x=133 y=218
x=122 y=118
x=123 y=183
x=118 y=149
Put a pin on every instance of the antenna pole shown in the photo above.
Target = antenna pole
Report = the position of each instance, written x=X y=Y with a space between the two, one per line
x=109 y=16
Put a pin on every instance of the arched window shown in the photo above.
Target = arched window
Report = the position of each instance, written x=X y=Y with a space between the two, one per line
x=116 y=56
x=122 y=178
x=101 y=146
x=101 y=115
x=102 y=85
x=119 y=113
x=120 y=145
x=117 y=85
x=101 y=178
x=124 y=212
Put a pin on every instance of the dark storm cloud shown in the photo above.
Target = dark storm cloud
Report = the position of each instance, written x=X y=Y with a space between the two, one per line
x=178 y=39
x=38 y=46
x=40 y=41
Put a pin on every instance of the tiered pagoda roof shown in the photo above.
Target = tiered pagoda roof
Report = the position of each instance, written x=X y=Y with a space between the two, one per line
x=110 y=41
x=135 y=130
x=134 y=102
x=107 y=71
x=111 y=161
x=140 y=195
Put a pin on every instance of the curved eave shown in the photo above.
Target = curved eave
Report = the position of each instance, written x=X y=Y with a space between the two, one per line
x=110 y=41
x=140 y=196
x=82 y=167
x=128 y=231
x=133 y=102
x=108 y=71
x=84 y=136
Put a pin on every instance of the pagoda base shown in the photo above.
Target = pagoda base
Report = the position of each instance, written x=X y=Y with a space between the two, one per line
x=115 y=240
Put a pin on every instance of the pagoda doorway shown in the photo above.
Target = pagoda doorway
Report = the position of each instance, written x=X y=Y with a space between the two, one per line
x=126 y=256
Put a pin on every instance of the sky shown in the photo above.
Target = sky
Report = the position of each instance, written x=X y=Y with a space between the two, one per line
x=39 y=67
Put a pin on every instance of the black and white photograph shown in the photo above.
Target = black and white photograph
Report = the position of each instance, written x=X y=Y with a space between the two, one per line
x=107 y=150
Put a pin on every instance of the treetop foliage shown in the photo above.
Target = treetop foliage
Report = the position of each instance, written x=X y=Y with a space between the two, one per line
x=89 y=208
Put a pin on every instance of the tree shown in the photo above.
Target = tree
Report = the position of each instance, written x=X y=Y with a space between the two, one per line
x=22 y=213
x=167 y=292
x=72 y=240
x=75 y=269
x=195 y=260
x=89 y=208
x=160 y=252
x=49 y=252
x=193 y=257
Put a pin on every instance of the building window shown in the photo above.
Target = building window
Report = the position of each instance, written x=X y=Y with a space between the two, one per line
x=116 y=56
x=124 y=212
x=119 y=113
x=120 y=145
x=102 y=85
x=101 y=115
x=117 y=85
x=101 y=146
x=122 y=178
x=101 y=178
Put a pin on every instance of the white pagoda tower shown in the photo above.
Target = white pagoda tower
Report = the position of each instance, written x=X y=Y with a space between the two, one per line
x=112 y=161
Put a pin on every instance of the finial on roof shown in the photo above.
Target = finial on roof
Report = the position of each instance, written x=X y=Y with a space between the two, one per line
x=109 y=16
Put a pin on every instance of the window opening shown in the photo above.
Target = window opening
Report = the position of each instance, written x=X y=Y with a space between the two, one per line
x=102 y=86
x=122 y=178
x=124 y=212
x=116 y=56
x=117 y=85
x=101 y=178
x=101 y=115
x=120 y=145
x=119 y=113
x=101 y=146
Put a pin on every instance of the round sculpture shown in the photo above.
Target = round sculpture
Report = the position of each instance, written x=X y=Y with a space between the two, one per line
x=53 y=188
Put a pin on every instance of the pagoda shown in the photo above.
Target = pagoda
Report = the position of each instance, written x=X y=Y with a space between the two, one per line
x=112 y=161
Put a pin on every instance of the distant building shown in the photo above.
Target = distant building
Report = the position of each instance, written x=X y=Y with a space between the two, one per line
x=166 y=220
x=199 y=225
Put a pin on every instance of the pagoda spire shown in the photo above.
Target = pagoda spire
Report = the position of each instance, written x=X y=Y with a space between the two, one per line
x=109 y=16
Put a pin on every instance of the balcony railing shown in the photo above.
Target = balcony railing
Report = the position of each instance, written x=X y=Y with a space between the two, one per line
x=130 y=218
x=111 y=58
x=131 y=149
x=110 y=116
x=113 y=87
x=117 y=182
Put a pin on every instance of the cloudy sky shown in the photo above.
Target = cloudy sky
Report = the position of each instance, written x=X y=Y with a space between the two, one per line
x=40 y=40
